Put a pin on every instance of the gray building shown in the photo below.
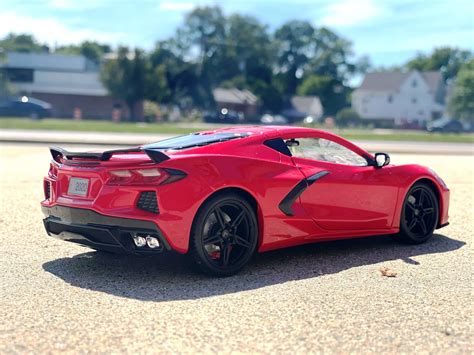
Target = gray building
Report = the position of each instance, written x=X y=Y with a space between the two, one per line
x=69 y=83
x=241 y=101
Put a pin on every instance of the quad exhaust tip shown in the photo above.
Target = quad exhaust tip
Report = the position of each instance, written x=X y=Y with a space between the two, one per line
x=142 y=240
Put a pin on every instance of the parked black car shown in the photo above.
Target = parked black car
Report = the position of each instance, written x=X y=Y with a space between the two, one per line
x=445 y=125
x=25 y=106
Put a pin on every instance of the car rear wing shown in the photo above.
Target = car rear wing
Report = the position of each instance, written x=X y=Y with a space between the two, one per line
x=57 y=153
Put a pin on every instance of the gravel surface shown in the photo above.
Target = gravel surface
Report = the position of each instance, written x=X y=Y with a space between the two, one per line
x=327 y=297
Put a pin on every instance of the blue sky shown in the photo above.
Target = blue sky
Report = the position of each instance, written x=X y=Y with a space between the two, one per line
x=388 y=31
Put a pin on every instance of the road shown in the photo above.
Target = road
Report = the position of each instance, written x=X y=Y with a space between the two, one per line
x=327 y=297
x=133 y=139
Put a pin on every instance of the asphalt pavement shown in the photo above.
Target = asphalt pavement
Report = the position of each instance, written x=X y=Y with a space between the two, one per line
x=327 y=297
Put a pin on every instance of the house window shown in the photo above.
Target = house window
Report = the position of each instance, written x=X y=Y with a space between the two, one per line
x=20 y=75
x=390 y=98
x=413 y=100
x=414 y=83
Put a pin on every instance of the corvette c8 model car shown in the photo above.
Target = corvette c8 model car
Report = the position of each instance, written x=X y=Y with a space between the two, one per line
x=222 y=195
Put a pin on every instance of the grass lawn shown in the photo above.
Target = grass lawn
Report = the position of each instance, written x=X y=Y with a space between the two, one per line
x=184 y=128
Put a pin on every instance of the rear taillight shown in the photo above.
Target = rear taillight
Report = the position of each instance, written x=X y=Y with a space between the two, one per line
x=47 y=189
x=153 y=176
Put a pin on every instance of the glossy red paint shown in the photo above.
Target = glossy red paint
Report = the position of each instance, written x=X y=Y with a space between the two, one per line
x=349 y=201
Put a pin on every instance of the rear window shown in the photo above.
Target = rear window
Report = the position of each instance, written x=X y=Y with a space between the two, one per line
x=194 y=140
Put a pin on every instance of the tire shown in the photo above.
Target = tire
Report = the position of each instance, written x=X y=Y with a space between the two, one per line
x=224 y=235
x=419 y=217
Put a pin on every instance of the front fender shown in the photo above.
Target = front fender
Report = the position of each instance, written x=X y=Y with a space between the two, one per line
x=409 y=175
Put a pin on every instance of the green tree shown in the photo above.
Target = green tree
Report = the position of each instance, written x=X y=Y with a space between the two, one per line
x=332 y=92
x=446 y=59
x=203 y=32
x=181 y=76
x=316 y=61
x=22 y=43
x=250 y=58
x=6 y=89
x=461 y=103
x=92 y=50
x=295 y=42
x=131 y=77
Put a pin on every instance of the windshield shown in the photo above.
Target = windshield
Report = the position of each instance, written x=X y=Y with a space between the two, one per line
x=193 y=140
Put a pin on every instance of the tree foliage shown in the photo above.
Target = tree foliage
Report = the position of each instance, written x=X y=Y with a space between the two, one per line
x=131 y=78
x=446 y=59
x=92 y=50
x=347 y=116
x=22 y=43
x=461 y=103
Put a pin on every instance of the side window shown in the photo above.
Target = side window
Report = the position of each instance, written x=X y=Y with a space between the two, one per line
x=324 y=150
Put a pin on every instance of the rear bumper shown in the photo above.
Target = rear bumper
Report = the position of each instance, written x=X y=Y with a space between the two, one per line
x=92 y=229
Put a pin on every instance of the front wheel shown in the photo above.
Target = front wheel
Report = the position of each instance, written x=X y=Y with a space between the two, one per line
x=419 y=215
x=225 y=235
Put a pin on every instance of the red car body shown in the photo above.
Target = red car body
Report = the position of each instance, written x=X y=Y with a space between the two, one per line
x=345 y=202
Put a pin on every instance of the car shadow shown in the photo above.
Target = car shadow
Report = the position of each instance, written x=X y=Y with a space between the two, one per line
x=170 y=277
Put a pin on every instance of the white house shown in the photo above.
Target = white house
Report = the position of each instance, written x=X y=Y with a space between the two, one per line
x=400 y=97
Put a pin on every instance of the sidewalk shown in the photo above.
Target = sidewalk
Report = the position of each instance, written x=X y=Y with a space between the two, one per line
x=134 y=139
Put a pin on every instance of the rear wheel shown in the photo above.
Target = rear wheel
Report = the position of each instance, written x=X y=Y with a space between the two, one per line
x=225 y=235
x=419 y=215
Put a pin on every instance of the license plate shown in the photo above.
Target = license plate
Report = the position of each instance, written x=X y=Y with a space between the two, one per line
x=78 y=186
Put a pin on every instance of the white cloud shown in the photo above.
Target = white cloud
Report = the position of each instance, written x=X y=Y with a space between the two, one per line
x=74 y=4
x=51 y=31
x=353 y=12
x=176 y=6
x=62 y=4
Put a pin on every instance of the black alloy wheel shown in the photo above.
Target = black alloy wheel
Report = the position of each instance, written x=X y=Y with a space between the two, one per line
x=225 y=235
x=419 y=216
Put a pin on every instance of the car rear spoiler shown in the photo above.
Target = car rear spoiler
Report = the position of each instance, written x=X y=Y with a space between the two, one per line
x=58 y=152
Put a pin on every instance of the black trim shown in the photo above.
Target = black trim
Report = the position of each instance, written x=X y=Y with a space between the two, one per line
x=58 y=152
x=174 y=175
x=147 y=202
x=92 y=229
x=387 y=160
x=289 y=199
x=156 y=155
x=442 y=225
x=279 y=145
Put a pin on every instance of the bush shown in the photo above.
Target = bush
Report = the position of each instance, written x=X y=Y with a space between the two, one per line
x=347 y=117
x=151 y=111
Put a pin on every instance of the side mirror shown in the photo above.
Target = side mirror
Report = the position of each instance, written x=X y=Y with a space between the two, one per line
x=381 y=159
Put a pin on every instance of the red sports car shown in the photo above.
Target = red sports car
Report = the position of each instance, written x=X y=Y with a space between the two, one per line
x=224 y=194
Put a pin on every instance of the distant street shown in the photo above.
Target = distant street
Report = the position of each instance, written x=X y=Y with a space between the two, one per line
x=327 y=297
x=132 y=139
